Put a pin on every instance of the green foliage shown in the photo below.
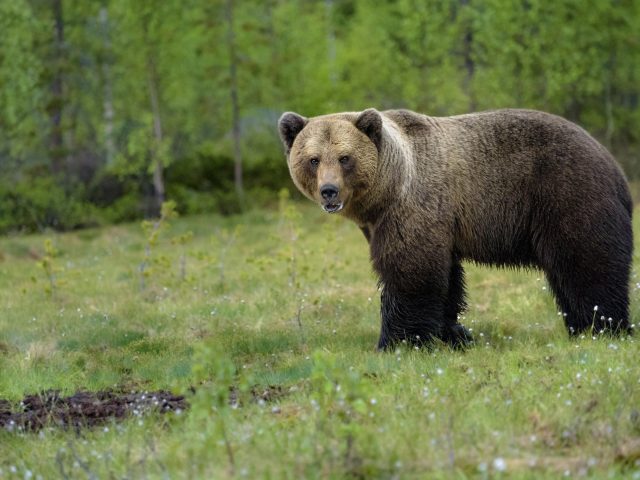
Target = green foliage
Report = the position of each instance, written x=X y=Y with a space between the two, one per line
x=153 y=228
x=220 y=244
x=37 y=203
x=215 y=374
x=297 y=274
x=204 y=182
x=145 y=86
x=153 y=266
x=212 y=365
x=526 y=401
x=342 y=403
x=181 y=242
x=50 y=269
x=20 y=68
x=125 y=208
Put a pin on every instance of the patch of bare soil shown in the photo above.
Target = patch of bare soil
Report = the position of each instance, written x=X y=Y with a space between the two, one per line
x=88 y=409
x=84 y=409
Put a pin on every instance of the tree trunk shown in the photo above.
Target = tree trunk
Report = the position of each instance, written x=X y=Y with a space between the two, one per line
x=235 y=109
x=608 y=108
x=158 y=167
x=467 y=52
x=331 y=42
x=56 y=140
x=107 y=112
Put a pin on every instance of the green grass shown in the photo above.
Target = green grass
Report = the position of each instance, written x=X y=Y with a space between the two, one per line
x=525 y=402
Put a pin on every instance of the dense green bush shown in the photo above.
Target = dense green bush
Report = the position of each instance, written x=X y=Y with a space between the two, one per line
x=119 y=199
x=124 y=90
x=199 y=184
x=34 y=204
x=205 y=171
x=204 y=183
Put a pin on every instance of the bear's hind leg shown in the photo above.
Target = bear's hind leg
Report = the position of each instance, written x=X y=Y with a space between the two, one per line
x=589 y=275
x=598 y=307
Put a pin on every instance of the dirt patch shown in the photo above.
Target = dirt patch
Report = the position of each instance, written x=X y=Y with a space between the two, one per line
x=88 y=409
x=84 y=409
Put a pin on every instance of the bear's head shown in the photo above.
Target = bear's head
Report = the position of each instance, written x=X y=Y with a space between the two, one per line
x=333 y=159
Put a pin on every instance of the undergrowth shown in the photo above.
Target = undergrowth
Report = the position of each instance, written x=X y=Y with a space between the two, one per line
x=267 y=322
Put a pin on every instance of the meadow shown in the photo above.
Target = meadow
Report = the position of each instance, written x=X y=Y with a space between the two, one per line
x=267 y=323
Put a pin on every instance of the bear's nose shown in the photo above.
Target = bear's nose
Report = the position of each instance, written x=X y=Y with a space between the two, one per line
x=329 y=192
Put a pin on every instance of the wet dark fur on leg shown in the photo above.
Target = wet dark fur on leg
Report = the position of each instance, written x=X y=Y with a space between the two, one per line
x=420 y=318
x=414 y=319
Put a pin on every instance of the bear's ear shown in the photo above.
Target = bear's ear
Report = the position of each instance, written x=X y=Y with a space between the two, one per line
x=289 y=126
x=369 y=122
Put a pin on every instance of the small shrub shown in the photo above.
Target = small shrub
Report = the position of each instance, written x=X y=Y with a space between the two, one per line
x=49 y=267
x=34 y=204
x=215 y=373
x=119 y=199
x=342 y=403
x=152 y=230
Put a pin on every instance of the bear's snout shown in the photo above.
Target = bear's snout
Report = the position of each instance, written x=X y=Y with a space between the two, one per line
x=329 y=192
x=331 y=202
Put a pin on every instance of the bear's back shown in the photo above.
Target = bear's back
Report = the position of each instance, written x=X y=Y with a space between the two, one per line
x=503 y=173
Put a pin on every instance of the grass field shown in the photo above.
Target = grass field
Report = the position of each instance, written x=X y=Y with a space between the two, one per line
x=272 y=318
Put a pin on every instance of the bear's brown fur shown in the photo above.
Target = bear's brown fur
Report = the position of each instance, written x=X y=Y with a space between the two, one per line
x=507 y=187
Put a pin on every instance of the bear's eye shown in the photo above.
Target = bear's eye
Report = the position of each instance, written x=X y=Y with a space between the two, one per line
x=314 y=162
x=344 y=159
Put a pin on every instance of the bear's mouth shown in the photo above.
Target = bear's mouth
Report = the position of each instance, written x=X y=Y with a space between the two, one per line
x=333 y=207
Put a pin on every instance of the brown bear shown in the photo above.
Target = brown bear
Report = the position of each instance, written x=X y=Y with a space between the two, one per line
x=508 y=188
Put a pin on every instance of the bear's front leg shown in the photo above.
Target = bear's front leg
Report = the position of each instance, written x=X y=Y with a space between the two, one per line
x=417 y=318
x=422 y=282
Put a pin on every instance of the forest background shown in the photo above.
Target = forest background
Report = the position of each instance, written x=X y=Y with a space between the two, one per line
x=108 y=108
